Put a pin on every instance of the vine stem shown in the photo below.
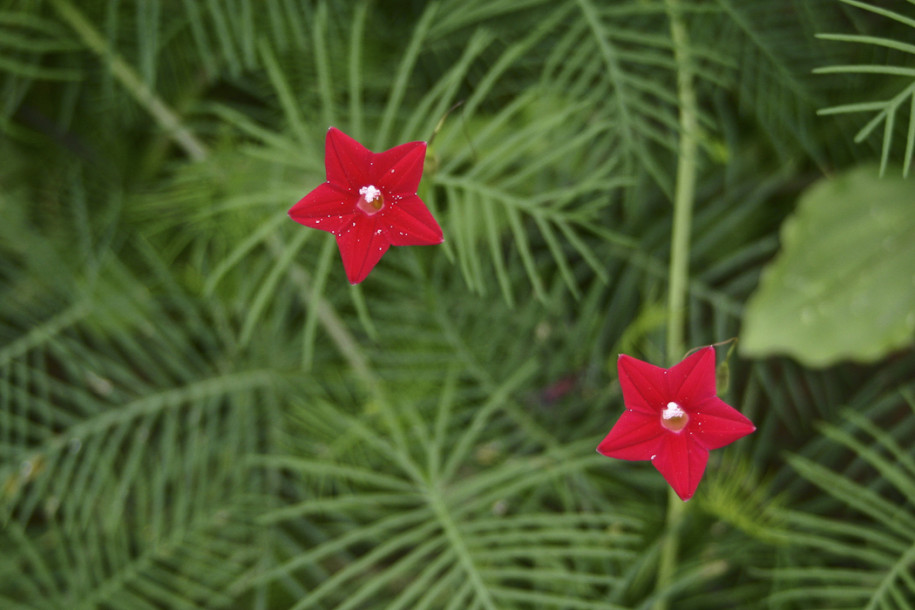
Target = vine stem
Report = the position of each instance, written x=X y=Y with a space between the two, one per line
x=684 y=195
x=167 y=119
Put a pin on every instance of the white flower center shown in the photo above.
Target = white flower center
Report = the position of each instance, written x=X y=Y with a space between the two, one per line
x=369 y=193
x=370 y=199
x=674 y=418
x=672 y=410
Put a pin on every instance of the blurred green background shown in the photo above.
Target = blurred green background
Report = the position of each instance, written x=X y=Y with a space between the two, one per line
x=198 y=411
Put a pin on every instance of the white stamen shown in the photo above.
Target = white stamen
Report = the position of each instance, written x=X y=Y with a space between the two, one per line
x=672 y=410
x=369 y=193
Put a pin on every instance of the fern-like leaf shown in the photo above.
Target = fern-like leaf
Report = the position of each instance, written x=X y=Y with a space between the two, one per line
x=898 y=77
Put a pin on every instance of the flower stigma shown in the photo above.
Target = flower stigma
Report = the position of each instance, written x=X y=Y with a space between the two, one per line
x=370 y=200
x=673 y=417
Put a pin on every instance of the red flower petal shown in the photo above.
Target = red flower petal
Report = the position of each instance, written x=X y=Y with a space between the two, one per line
x=398 y=170
x=327 y=208
x=635 y=436
x=410 y=223
x=347 y=161
x=693 y=379
x=682 y=463
x=644 y=385
x=362 y=247
x=715 y=424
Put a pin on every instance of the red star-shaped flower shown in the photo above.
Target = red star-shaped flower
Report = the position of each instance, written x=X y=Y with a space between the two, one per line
x=369 y=202
x=674 y=418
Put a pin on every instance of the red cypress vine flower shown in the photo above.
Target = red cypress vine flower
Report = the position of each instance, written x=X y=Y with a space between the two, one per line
x=674 y=418
x=369 y=202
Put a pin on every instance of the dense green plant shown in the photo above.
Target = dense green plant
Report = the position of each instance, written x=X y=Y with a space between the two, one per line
x=198 y=411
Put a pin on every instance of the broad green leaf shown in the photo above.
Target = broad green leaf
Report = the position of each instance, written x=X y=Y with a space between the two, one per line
x=843 y=286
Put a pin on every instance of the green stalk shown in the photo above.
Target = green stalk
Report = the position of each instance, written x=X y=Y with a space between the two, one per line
x=163 y=115
x=684 y=195
x=685 y=191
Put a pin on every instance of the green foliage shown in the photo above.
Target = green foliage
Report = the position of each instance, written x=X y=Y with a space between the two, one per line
x=197 y=410
x=842 y=286
x=869 y=550
x=896 y=74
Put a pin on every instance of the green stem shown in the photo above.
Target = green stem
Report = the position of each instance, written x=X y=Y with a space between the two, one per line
x=667 y=564
x=684 y=195
x=166 y=118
